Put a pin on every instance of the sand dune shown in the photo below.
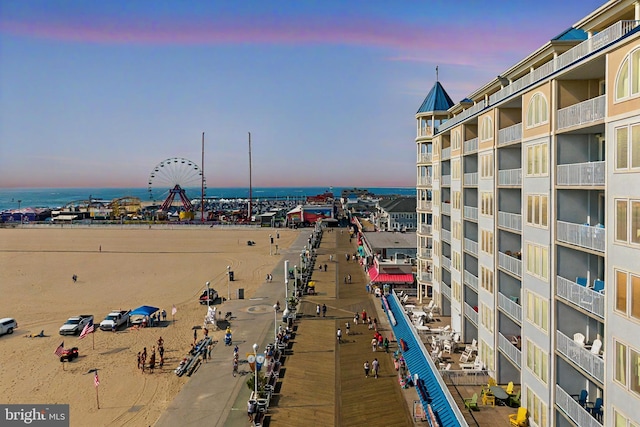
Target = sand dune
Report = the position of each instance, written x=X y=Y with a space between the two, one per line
x=116 y=269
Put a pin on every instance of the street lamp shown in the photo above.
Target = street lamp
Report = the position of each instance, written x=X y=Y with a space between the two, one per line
x=275 y=323
x=228 y=282
x=255 y=383
x=208 y=294
x=295 y=280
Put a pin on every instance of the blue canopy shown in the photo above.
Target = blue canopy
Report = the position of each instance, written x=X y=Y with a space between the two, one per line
x=144 y=310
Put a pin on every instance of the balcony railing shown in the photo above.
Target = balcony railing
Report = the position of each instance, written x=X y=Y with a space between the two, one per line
x=582 y=113
x=463 y=115
x=574 y=410
x=470 y=146
x=591 y=363
x=591 y=173
x=509 y=263
x=471 y=313
x=509 y=306
x=424 y=158
x=581 y=235
x=426 y=131
x=471 y=246
x=425 y=277
x=510 y=220
x=470 y=212
x=425 y=180
x=510 y=134
x=426 y=253
x=471 y=280
x=445 y=208
x=445 y=235
x=510 y=177
x=581 y=296
x=445 y=290
x=445 y=180
x=425 y=229
x=425 y=205
x=510 y=350
x=446 y=153
x=446 y=262
x=471 y=179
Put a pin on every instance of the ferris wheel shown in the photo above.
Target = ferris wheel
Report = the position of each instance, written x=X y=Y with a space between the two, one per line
x=173 y=176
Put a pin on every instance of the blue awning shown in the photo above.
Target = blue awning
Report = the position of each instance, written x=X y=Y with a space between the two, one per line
x=144 y=310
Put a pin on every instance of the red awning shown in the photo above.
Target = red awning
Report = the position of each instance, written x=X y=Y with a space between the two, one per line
x=377 y=277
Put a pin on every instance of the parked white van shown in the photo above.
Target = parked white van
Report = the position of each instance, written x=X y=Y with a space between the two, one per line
x=7 y=325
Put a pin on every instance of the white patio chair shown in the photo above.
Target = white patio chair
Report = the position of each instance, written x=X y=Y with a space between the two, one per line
x=579 y=338
x=596 y=346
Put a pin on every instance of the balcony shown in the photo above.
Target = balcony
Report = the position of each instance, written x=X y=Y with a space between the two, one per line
x=585 y=236
x=577 y=413
x=445 y=208
x=581 y=296
x=446 y=262
x=510 y=306
x=445 y=180
x=424 y=158
x=510 y=177
x=591 y=363
x=426 y=131
x=510 y=220
x=425 y=277
x=445 y=290
x=425 y=205
x=510 y=264
x=511 y=351
x=581 y=174
x=471 y=246
x=425 y=180
x=510 y=134
x=471 y=313
x=471 y=179
x=471 y=280
x=426 y=253
x=460 y=117
x=583 y=113
x=470 y=146
x=470 y=212
x=446 y=153
x=425 y=229
x=445 y=235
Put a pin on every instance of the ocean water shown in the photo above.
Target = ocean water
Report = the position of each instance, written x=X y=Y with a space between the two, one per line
x=12 y=198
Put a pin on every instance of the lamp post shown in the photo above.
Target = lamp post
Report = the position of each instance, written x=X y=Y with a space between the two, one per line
x=208 y=295
x=275 y=323
x=255 y=383
x=228 y=282
x=295 y=280
x=286 y=280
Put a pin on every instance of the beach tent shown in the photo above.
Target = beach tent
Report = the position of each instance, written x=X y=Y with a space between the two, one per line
x=144 y=310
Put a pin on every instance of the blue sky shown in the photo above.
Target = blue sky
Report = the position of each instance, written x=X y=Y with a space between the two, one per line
x=96 y=94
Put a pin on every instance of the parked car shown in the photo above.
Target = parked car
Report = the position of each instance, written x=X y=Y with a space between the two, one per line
x=115 y=319
x=7 y=325
x=74 y=325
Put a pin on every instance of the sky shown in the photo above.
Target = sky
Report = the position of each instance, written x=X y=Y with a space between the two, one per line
x=97 y=94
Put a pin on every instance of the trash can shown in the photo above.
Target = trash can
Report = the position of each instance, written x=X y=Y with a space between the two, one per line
x=231 y=276
x=240 y=293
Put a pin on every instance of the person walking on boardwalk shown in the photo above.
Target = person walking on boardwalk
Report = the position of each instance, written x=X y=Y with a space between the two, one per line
x=364 y=315
x=324 y=310
x=347 y=327
x=366 y=369
x=374 y=344
x=385 y=344
x=375 y=365
x=356 y=316
x=317 y=309
x=339 y=335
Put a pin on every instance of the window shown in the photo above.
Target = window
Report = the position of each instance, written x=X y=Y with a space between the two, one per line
x=538 y=261
x=621 y=291
x=620 y=420
x=486 y=317
x=538 y=110
x=486 y=129
x=487 y=204
x=537 y=409
x=627 y=147
x=537 y=361
x=620 y=363
x=486 y=354
x=456 y=200
x=621 y=220
x=455 y=169
x=627 y=225
x=538 y=310
x=456 y=291
x=634 y=362
x=627 y=288
x=628 y=79
x=486 y=241
x=455 y=261
x=455 y=140
x=486 y=166
x=486 y=279
x=537 y=159
x=457 y=230
x=537 y=214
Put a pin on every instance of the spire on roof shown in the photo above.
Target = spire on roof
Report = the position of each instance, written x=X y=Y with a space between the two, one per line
x=437 y=99
x=436 y=73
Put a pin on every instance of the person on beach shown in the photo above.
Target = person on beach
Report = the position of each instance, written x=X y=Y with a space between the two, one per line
x=318 y=310
x=139 y=360
x=251 y=409
x=366 y=369
x=152 y=362
x=74 y=278
x=324 y=310
x=375 y=365
x=164 y=314
x=195 y=336
x=348 y=278
x=356 y=316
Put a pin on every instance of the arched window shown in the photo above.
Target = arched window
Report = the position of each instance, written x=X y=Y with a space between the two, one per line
x=486 y=129
x=538 y=110
x=628 y=78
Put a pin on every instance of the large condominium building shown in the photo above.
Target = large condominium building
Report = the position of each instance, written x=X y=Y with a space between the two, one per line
x=528 y=202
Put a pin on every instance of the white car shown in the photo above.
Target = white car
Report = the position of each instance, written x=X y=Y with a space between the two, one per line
x=7 y=325
x=75 y=325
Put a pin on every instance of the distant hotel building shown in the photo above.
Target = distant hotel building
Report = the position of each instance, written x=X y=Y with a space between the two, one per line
x=528 y=203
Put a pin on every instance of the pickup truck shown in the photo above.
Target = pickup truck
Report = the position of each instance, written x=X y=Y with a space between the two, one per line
x=74 y=325
x=115 y=318
x=210 y=298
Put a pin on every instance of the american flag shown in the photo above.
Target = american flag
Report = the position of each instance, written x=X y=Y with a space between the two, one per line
x=60 y=350
x=174 y=310
x=88 y=329
x=96 y=381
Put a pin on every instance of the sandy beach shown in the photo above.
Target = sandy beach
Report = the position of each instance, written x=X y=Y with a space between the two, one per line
x=117 y=268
